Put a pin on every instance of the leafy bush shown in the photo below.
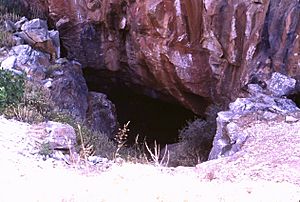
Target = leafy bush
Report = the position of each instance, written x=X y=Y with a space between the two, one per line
x=11 y=88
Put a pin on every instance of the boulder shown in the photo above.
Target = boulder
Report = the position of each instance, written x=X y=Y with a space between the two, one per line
x=23 y=58
x=9 y=63
x=281 y=85
x=56 y=140
x=20 y=22
x=28 y=58
x=68 y=91
x=101 y=114
x=60 y=136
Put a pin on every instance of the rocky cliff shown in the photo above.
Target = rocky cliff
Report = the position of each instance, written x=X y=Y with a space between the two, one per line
x=195 y=51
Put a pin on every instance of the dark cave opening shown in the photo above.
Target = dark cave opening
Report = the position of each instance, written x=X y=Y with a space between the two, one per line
x=295 y=98
x=150 y=118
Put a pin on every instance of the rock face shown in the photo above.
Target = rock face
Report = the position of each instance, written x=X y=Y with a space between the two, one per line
x=261 y=104
x=101 y=114
x=61 y=80
x=196 y=51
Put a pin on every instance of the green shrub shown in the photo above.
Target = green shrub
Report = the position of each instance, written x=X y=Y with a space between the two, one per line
x=194 y=144
x=11 y=88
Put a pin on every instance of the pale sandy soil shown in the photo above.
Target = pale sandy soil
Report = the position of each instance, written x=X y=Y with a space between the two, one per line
x=268 y=175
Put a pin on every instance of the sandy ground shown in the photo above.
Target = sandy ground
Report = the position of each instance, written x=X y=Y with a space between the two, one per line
x=25 y=176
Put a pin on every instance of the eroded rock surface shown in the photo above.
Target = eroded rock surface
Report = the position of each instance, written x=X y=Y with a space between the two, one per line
x=196 y=51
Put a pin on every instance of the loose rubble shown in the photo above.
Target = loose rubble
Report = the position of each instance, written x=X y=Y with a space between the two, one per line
x=267 y=104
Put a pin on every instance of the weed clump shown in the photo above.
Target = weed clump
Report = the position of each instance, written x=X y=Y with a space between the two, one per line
x=9 y=11
x=35 y=105
x=11 y=88
x=97 y=142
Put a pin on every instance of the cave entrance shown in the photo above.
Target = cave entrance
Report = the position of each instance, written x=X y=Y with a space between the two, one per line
x=296 y=98
x=150 y=118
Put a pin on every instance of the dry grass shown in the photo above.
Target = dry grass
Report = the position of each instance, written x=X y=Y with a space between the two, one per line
x=157 y=158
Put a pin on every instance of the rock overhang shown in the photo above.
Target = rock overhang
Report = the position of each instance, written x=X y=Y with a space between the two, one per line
x=190 y=50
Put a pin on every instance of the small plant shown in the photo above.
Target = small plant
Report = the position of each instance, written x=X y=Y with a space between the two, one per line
x=45 y=149
x=35 y=96
x=156 y=155
x=11 y=88
x=52 y=68
x=121 y=138
x=34 y=107
x=6 y=38
x=24 y=113
x=86 y=150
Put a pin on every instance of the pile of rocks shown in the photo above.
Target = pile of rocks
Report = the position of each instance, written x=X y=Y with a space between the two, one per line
x=269 y=104
x=35 y=33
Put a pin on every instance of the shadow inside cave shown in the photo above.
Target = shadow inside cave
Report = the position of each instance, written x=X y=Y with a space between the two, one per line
x=151 y=119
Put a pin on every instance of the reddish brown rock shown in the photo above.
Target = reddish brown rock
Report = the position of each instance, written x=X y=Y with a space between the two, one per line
x=191 y=50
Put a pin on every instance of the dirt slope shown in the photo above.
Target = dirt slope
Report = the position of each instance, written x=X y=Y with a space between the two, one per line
x=251 y=175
